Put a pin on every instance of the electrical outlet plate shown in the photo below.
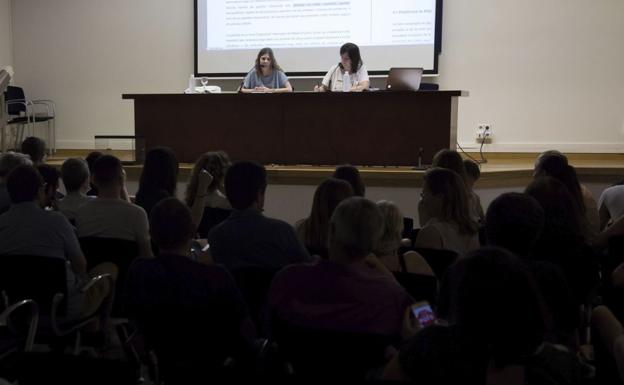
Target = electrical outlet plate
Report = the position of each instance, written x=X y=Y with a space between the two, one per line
x=484 y=130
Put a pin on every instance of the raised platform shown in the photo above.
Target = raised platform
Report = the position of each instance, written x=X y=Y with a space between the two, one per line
x=501 y=170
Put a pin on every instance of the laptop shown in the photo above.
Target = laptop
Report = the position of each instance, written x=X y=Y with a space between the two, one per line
x=404 y=79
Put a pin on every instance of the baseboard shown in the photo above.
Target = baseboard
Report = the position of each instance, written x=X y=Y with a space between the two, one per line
x=590 y=148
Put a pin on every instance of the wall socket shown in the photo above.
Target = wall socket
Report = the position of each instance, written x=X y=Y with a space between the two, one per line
x=484 y=130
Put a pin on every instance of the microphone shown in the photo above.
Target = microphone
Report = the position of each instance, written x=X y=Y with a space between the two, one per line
x=419 y=165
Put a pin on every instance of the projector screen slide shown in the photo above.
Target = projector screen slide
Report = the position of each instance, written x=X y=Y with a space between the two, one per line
x=306 y=35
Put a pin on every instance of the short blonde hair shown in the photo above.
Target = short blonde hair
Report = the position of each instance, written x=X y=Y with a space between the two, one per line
x=356 y=226
x=392 y=228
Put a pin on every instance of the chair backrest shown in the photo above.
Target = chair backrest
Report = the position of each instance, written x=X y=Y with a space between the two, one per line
x=14 y=93
x=121 y=252
x=439 y=260
x=420 y=286
x=34 y=277
x=330 y=354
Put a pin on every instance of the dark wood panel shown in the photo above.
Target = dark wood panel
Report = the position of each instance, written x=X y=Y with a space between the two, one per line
x=373 y=128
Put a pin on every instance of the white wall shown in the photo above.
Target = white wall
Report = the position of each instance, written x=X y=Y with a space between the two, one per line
x=545 y=74
x=6 y=38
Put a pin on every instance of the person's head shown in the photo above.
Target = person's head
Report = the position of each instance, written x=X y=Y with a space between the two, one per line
x=11 y=160
x=350 y=58
x=245 y=185
x=91 y=159
x=25 y=184
x=451 y=160
x=217 y=164
x=108 y=173
x=445 y=197
x=327 y=196
x=351 y=175
x=495 y=304
x=266 y=60
x=562 y=215
x=51 y=178
x=354 y=230
x=171 y=226
x=35 y=148
x=554 y=164
x=473 y=173
x=392 y=229
x=514 y=221
x=75 y=175
x=160 y=171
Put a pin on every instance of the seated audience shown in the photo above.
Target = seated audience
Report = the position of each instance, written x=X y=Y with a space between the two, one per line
x=352 y=175
x=247 y=237
x=35 y=148
x=451 y=160
x=445 y=214
x=8 y=161
x=611 y=205
x=611 y=334
x=562 y=240
x=27 y=229
x=51 y=181
x=216 y=207
x=91 y=159
x=313 y=230
x=76 y=177
x=349 y=292
x=514 y=221
x=554 y=164
x=110 y=215
x=190 y=311
x=159 y=178
x=387 y=249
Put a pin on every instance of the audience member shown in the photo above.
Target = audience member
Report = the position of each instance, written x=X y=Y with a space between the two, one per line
x=159 y=178
x=451 y=160
x=473 y=172
x=190 y=312
x=313 y=230
x=76 y=176
x=35 y=148
x=352 y=175
x=91 y=159
x=562 y=240
x=51 y=195
x=110 y=215
x=611 y=205
x=8 y=161
x=349 y=292
x=444 y=213
x=27 y=229
x=514 y=221
x=247 y=237
x=216 y=208
x=387 y=249
x=554 y=164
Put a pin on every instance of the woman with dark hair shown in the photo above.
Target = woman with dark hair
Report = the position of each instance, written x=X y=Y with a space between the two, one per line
x=91 y=159
x=266 y=76
x=216 y=207
x=158 y=178
x=351 y=175
x=444 y=213
x=555 y=164
x=314 y=230
x=562 y=240
x=350 y=63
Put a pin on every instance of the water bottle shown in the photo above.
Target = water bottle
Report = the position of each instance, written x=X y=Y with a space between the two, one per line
x=346 y=82
x=191 y=86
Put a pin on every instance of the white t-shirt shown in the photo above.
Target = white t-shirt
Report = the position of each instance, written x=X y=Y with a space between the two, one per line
x=333 y=78
x=112 y=218
x=613 y=200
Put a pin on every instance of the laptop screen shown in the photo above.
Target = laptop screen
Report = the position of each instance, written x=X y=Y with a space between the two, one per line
x=404 y=79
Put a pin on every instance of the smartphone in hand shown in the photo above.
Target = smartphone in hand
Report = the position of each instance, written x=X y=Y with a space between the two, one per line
x=423 y=313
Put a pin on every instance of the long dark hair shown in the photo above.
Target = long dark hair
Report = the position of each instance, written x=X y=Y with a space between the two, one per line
x=354 y=54
x=160 y=171
x=216 y=163
x=274 y=65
